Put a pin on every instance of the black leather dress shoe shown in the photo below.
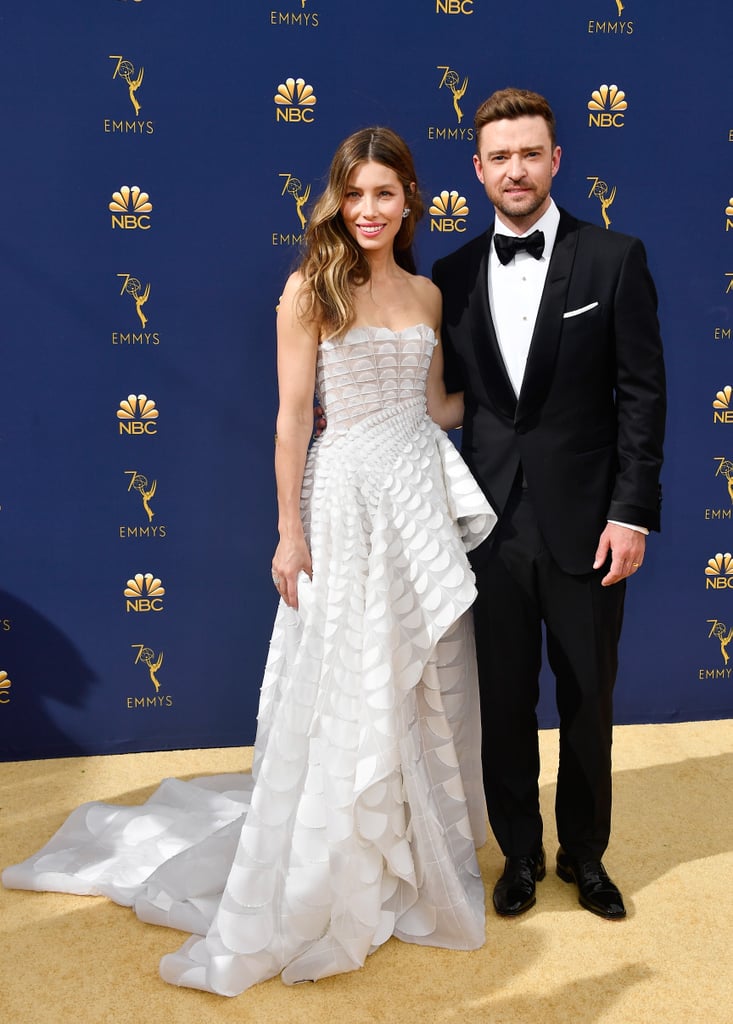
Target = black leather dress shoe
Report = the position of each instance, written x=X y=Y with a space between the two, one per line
x=597 y=892
x=515 y=891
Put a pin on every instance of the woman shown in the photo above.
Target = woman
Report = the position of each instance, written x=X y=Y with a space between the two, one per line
x=365 y=803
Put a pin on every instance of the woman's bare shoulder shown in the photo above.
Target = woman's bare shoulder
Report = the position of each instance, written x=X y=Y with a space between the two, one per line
x=429 y=295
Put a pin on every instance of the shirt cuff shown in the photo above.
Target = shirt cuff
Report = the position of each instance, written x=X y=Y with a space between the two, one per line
x=629 y=526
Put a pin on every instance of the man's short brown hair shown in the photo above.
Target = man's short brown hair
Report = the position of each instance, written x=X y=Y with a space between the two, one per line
x=508 y=105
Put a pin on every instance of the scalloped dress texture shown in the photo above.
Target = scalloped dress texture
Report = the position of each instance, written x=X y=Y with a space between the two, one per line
x=365 y=804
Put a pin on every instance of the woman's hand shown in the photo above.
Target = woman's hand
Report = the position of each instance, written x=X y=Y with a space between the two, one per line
x=290 y=559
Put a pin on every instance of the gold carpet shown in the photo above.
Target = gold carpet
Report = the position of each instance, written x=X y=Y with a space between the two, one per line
x=82 y=960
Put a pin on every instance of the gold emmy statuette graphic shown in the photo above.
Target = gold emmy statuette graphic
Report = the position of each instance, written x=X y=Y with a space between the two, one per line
x=140 y=483
x=451 y=79
x=725 y=468
x=5 y=685
x=132 y=286
x=619 y=7
x=293 y=186
x=125 y=69
x=729 y=214
x=599 y=189
x=721 y=632
x=146 y=655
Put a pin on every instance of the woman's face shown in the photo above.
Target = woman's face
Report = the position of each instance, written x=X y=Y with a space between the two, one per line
x=372 y=206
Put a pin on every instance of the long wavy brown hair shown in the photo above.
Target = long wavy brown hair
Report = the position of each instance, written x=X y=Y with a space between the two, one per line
x=333 y=263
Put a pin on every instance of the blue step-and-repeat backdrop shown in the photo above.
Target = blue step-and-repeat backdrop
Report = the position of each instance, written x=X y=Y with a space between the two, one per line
x=160 y=158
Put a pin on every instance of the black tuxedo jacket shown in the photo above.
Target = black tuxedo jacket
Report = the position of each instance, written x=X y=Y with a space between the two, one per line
x=588 y=425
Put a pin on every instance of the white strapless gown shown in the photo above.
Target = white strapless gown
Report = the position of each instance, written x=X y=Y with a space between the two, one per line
x=365 y=803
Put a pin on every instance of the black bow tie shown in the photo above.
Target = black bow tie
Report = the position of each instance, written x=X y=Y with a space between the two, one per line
x=508 y=246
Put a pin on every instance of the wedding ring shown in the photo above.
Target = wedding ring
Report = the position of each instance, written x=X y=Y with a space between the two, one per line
x=635 y=565
x=275 y=579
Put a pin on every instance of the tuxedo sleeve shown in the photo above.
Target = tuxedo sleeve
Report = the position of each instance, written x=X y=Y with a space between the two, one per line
x=452 y=367
x=639 y=393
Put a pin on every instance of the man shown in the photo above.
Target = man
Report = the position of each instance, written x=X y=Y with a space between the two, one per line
x=557 y=348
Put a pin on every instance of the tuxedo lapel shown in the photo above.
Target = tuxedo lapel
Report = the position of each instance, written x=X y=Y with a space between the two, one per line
x=486 y=345
x=548 y=327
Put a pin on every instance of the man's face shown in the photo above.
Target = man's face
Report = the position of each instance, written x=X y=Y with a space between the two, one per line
x=516 y=163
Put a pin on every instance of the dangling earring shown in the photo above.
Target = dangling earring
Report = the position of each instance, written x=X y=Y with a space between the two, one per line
x=406 y=212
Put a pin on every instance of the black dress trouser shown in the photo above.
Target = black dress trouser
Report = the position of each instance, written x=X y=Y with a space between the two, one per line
x=520 y=588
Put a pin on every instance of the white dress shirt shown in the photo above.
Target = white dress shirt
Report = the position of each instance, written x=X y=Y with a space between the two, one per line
x=515 y=291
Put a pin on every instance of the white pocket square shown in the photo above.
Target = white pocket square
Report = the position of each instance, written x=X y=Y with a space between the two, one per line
x=577 y=312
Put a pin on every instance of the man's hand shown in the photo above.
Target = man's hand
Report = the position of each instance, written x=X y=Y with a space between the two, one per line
x=627 y=549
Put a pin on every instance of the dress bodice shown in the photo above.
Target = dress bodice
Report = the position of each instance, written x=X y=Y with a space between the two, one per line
x=370 y=369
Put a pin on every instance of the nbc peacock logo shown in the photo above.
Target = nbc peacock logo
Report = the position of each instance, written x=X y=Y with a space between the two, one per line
x=607 y=105
x=719 y=572
x=137 y=415
x=130 y=208
x=5 y=685
x=722 y=412
x=144 y=593
x=448 y=212
x=294 y=101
